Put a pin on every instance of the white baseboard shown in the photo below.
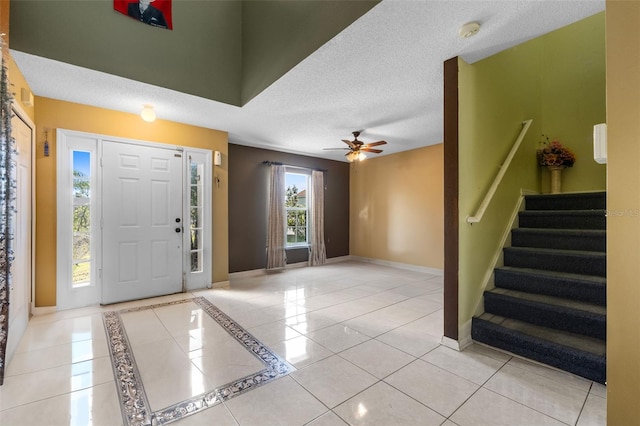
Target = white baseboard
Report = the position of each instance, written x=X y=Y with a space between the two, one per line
x=43 y=310
x=339 y=259
x=297 y=265
x=464 y=335
x=260 y=272
x=219 y=284
x=464 y=338
x=407 y=266
x=247 y=274
x=450 y=343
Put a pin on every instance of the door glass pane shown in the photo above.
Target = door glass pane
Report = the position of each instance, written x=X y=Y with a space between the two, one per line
x=81 y=221
x=195 y=217
x=196 y=239
x=196 y=261
x=196 y=173
x=196 y=185
x=195 y=195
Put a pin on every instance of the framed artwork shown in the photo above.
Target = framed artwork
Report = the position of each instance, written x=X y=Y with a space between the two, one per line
x=156 y=13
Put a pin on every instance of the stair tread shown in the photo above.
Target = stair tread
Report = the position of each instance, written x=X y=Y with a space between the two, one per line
x=595 y=279
x=564 y=338
x=560 y=212
x=559 y=251
x=587 y=194
x=552 y=300
x=563 y=231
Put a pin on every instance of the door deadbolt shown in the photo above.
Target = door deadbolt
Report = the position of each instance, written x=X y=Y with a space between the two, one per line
x=177 y=220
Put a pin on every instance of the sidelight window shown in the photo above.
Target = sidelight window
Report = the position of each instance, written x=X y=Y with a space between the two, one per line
x=81 y=221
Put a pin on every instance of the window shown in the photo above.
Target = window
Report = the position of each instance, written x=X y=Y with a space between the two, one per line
x=196 y=182
x=81 y=222
x=197 y=218
x=78 y=232
x=296 y=208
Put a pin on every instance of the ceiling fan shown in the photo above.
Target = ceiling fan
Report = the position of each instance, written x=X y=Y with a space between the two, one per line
x=358 y=148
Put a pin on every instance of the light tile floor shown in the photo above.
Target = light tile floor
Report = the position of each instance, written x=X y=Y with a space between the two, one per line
x=364 y=340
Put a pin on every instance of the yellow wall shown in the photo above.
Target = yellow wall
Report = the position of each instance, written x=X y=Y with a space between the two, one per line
x=18 y=82
x=396 y=208
x=623 y=221
x=52 y=114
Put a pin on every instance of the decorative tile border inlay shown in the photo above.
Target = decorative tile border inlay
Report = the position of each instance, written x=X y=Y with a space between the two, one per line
x=135 y=406
x=134 y=403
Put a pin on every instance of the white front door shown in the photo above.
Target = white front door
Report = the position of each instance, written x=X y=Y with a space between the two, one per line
x=20 y=290
x=142 y=221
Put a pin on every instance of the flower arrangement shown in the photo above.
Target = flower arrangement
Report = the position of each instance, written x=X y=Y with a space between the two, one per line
x=555 y=154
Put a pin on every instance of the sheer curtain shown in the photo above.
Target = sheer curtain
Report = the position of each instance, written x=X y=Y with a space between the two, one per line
x=318 y=254
x=276 y=255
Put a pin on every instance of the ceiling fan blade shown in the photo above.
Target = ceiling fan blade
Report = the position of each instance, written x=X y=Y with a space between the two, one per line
x=375 y=151
x=375 y=144
x=351 y=144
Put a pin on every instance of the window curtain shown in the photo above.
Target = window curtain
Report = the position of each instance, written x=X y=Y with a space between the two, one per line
x=276 y=255
x=318 y=253
x=7 y=209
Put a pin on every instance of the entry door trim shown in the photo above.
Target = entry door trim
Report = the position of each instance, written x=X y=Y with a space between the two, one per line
x=17 y=326
x=22 y=115
x=191 y=282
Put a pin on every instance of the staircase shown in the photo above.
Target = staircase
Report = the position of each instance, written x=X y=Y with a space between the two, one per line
x=549 y=300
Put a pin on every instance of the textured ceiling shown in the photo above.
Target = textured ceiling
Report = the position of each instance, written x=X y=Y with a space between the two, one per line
x=382 y=74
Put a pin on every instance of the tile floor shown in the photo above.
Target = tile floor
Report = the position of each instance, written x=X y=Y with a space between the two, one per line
x=363 y=340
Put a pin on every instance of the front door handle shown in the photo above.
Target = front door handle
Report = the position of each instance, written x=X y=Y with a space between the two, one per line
x=178 y=229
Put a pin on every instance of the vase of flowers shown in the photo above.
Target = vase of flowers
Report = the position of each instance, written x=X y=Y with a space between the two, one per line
x=555 y=157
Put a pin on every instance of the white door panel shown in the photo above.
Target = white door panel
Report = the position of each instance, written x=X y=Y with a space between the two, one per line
x=20 y=288
x=142 y=221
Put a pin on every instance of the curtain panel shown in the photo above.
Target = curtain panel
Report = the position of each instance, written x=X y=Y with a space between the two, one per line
x=276 y=227
x=318 y=253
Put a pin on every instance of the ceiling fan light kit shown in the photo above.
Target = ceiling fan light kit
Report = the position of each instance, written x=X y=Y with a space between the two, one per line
x=358 y=148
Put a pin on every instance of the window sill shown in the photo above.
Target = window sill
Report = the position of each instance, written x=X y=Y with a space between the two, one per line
x=297 y=247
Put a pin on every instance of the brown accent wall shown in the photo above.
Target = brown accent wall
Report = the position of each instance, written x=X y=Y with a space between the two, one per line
x=451 y=243
x=248 y=189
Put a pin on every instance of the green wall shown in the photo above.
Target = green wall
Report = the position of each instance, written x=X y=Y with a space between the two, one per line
x=225 y=50
x=574 y=98
x=200 y=56
x=277 y=35
x=558 y=80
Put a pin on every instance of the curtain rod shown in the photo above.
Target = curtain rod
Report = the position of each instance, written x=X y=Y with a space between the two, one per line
x=277 y=163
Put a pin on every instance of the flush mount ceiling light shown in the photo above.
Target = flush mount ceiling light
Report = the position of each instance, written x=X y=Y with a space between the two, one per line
x=148 y=114
x=469 y=29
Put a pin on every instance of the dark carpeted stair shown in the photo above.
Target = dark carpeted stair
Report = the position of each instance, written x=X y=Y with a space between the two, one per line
x=549 y=303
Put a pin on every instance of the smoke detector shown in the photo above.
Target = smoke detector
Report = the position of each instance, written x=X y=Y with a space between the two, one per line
x=469 y=29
